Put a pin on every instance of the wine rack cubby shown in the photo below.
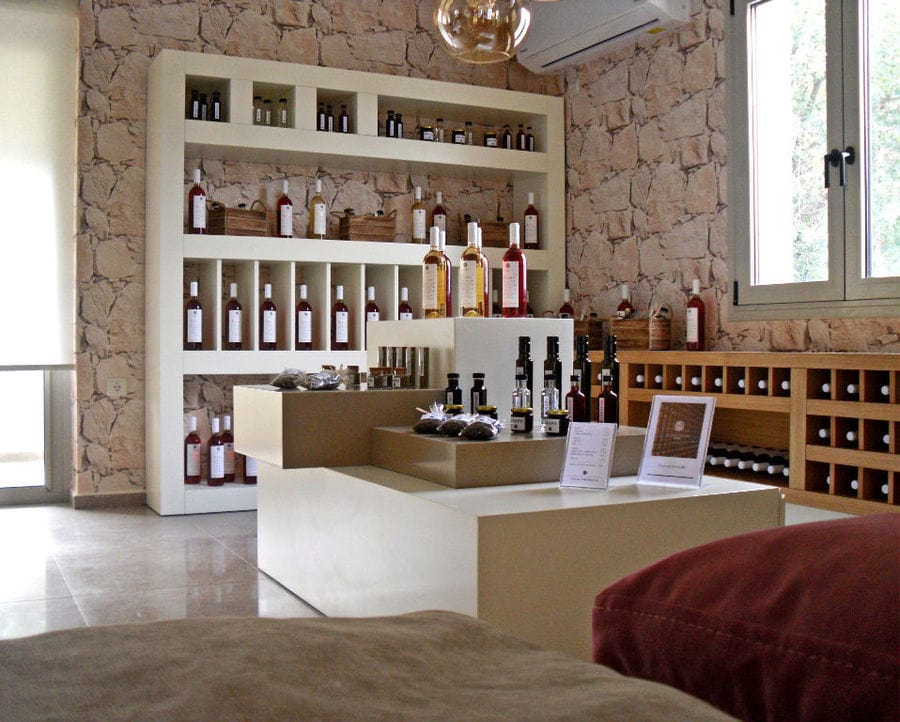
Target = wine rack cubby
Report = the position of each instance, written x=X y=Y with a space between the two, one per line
x=837 y=414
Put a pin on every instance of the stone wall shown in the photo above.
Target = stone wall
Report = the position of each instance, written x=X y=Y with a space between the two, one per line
x=646 y=162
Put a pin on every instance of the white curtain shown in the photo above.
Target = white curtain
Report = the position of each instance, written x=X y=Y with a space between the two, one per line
x=38 y=137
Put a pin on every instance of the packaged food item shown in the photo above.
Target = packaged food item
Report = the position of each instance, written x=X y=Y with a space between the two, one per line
x=431 y=420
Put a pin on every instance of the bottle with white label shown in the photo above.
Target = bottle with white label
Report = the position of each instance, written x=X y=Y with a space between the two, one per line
x=216 y=456
x=268 y=321
x=318 y=212
x=695 y=320
x=404 y=310
x=193 y=321
x=251 y=469
x=439 y=213
x=285 y=213
x=233 y=321
x=228 y=442
x=197 y=206
x=448 y=276
x=418 y=218
x=472 y=265
x=193 y=448
x=340 y=322
x=373 y=313
x=434 y=279
x=532 y=222
x=515 y=289
x=303 y=340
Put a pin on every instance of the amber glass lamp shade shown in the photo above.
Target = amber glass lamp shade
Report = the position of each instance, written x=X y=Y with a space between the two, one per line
x=482 y=31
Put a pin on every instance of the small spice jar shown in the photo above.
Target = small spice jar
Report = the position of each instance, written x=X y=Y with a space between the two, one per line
x=426 y=132
x=557 y=422
x=453 y=409
x=521 y=420
x=487 y=410
x=490 y=139
x=458 y=135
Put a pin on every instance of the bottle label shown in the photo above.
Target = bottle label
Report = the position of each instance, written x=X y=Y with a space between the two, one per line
x=406 y=316
x=319 y=219
x=693 y=326
x=418 y=223
x=517 y=423
x=510 y=284
x=341 y=327
x=449 y=397
x=570 y=405
x=286 y=220
x=304 y=326
x=430 y=287
x=601 y=409
x=217 y=462
x=195 y=325
x=344 y=122
x=250 y=467
x=268 y=326
x=440 y=220
x=198 y=217
x=192 y=467
x=531 y=230
x=490 y=142
x=229 y=458
x=373 y=315
x=551 y=426
x=282 y=117
x=234 y=326
x=468 y=289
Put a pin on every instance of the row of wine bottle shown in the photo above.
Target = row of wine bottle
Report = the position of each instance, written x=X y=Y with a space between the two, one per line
x=749 y=458
x=222 y=460
x=848 y=437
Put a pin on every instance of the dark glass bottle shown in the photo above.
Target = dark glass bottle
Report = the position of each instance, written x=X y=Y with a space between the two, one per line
x=453 y=393
x=521 y=138
x=390 y=125
x=228 y=441
x=194 y=108
x=524 y=363
x=204 y=107
x=607 y=403
x=303 y=340
x=329 y=118
x=344 y=120
x=575 y=401
x=216 y=113
x=610 y=364
x=582 y=365
x=321 y=123
x=529 y=139
x=478 y=394
x=552 y=364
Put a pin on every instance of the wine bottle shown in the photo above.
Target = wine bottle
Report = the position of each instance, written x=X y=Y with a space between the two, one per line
x=825 y=389
x=610 y=364
x=566 y=310
x=581 y=367
x=453 y=393
x=216 y=449
x=192 y=450
x=404 y=310
x=418 y=218
x=478 y=393
x=696 y=320
x=851 y=436
x=340 y=322
x=525 y=364
x=398 y=125
x=194 y=106
x=471 y=277
x=344 y=120
x=268 y=321
x=282 y=113
x=532 y=225
x=506 y=138
x=658 y=379
x=390 y=125
x=607 y=402
x=373 y=313
x=886 y=439
x=329 y=118
x=521 y=143
x=852 y=389
x=251 y=467
x=448 y=276
x=193 y=321
x=761 y=462
x=216 y=113
x=678 y=381
x=197 y=206
x=228 y=442
x=233 y=321
x=552 y=363
x=486 y=281
x=434 y=275
x=496 y=310
x=439 y=213
x=529 y=138
x=717 y=382
x=285 y=212
x=885 y=390
x=303 y=340
x=624 y=309
x=762 y=384
x=318 y=212
x=777 y=465
x=823 y=433
x=716 y=456
x=257 y=110
x=515 y=283
x=575 y=401
x=204 y=107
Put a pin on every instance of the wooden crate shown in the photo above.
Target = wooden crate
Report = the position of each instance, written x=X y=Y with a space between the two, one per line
x=642 y=334
x=253 y=221
x=369 y=228
x=591 y=327
x=495 y=234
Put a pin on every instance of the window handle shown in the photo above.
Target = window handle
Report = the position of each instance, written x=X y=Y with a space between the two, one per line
x=839 y=159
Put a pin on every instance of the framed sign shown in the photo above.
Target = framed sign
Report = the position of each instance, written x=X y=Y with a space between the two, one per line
x=589 y=450
x=677 y=440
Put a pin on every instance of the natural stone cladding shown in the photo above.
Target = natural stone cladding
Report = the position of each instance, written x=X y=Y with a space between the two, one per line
x=646 y=180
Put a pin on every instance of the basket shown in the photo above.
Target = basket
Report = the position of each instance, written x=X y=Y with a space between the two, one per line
x=250 y=221
x=369 y=228
x=642 y=334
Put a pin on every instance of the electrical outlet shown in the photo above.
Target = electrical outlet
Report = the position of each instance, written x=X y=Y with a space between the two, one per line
x=116 y=388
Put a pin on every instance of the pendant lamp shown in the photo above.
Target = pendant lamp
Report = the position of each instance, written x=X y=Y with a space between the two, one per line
x=482 y=31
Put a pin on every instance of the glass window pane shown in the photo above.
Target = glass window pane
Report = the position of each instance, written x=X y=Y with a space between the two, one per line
x=22 y=429
x=788 y=141
x=882 y=121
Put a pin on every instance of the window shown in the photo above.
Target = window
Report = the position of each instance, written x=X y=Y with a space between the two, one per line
x=814 y=158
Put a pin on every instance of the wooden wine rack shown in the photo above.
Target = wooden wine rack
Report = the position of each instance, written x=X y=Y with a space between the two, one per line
x=754 y=408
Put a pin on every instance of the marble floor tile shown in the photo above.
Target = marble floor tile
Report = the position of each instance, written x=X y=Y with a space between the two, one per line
x=28 y=575
x=22 y=619
x=244 y=545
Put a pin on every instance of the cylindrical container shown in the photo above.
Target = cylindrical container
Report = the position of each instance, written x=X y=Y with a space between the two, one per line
x=557 y=422
x=487 y=410
x=453 y=409
x=458 y=136
x=421 y=366
x=521 y=420
x=384 y=356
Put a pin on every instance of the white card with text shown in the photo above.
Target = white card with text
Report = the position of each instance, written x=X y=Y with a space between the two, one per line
x=589 y=451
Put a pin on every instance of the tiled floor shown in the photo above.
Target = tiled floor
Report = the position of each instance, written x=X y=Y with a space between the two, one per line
x=63 y=568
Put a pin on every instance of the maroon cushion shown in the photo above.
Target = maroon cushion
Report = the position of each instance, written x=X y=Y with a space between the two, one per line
x=797 y=623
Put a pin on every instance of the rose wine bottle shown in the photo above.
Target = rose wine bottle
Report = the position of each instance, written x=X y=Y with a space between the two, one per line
x=216 y=456
x=285 y=213
x=250 y=470
x=193 y=321
x=192 y=450
x=575 y=401
x=340 y=322
x=487 y=274
x=317 y=213
x=418 y=218
x=434 y=279
x=404 y=310
x=304 y=322
x=566 y=310
x=625 y=309
x=197 y=206
x=268 y=321
x=515 y=288
x=696 y=320
x=439 y=213
x=471 y=277
x=448 y=276
x=373 y=313
x=233 y=321
x=532 y=221
x=228 y=442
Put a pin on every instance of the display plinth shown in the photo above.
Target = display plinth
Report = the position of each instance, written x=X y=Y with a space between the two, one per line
x=509 y=459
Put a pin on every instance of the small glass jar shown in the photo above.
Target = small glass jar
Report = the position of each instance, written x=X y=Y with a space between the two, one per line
x=426 y=132
x=490 y=139
x=470 y=136
x=487 y=410
x=453 y=409
x=557 y=422
x=458 y=136
x=521 y=420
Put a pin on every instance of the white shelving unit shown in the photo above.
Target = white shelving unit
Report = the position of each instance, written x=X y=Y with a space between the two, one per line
x=321 y=264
